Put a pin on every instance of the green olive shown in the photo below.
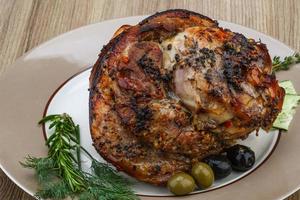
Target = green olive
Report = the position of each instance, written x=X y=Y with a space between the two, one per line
x=181 y=183
x=203 y=174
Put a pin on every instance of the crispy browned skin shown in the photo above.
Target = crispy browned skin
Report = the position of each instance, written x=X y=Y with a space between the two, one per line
x=174 y=89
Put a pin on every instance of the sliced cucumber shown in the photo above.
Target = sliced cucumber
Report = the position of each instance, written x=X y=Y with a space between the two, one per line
x=290 y=102
x=288 y=87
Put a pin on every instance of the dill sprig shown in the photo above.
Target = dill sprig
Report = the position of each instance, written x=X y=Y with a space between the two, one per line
x=286 y=63
x=115 y=186
x=60 y=174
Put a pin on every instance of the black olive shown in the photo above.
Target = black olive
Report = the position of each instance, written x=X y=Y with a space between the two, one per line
x=220 y=165
x=242 y=158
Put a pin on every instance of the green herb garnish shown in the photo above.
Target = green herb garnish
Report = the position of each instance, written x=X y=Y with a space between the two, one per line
x=60 y=174
x=279 y=65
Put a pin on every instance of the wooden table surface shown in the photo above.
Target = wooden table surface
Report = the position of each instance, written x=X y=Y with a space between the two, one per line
x=25 y=24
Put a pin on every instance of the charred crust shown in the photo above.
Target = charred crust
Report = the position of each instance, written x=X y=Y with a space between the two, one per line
x=143 y=116
x=97 y=71
x=156 y=32
x=180 y=13
x=233 y=74
x=149 y=67
x=167 y=80
x=98 y=66
x=240 y=46
x=208 y=76
x=238 y=55
x=156 y=169
x=177 y=57
x=125 y=113
x=205 y=58
x=150 y=29
x=216 y=92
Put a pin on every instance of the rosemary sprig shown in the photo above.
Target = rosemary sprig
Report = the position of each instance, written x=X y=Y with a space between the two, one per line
x=279 y=65
x=60 y=174
x=61 y=149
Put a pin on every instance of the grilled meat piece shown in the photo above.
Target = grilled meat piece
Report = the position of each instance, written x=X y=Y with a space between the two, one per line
x=176 y=88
